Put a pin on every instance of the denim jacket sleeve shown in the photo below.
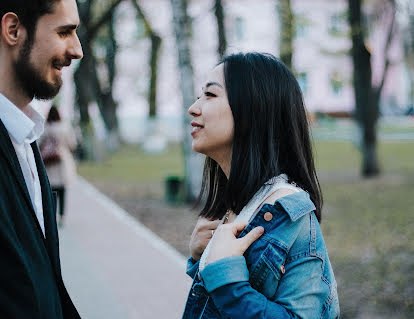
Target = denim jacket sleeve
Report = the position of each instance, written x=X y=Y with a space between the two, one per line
x=232 y=289
x=192 y=267
x=227 y=280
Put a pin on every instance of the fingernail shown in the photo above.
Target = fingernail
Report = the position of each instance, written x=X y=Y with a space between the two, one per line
x=260 y=230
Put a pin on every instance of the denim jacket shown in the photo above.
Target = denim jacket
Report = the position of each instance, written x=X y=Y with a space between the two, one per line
x=286 y=273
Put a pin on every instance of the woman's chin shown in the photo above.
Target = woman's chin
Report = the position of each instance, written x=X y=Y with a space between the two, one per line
x=197 y=148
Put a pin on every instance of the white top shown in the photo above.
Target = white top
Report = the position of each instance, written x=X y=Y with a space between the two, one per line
x=23 y=130
x=254 y=205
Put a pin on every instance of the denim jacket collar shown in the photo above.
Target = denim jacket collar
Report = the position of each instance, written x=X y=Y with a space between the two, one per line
x=296 y=205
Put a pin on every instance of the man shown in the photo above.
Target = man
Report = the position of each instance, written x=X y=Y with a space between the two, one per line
x=37 y=39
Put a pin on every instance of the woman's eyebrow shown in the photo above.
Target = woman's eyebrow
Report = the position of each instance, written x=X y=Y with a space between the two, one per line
x=213 y=83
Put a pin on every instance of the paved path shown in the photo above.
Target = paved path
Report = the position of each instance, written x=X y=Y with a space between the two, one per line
x=113 y=266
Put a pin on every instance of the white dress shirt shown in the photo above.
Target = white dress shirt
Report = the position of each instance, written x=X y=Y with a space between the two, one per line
x=23 y=130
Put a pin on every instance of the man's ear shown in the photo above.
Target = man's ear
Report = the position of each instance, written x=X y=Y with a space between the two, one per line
x=11 y=29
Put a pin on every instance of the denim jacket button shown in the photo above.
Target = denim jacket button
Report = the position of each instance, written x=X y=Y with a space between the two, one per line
x=268 y=216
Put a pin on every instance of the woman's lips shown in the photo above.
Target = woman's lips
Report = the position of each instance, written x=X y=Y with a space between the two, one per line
x=196 y=128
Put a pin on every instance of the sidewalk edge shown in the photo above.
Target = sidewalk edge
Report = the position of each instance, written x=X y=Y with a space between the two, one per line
x=141 y=230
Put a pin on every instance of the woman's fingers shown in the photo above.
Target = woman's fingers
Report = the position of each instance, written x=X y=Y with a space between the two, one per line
x=214 y=224
x=251 y=237
x=237 y=227
x=205 y=223
x=202 y=234
x=226 y=243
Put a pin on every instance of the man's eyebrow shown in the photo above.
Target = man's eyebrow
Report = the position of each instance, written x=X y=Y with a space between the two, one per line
x=213 y=83
x=67 y=27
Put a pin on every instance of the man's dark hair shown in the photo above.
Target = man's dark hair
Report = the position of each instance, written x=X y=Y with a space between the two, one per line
x=28 y=11
x=271 y=135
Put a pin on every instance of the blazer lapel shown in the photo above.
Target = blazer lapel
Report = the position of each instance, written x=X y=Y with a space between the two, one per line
x=49 y=211
x=10 y=156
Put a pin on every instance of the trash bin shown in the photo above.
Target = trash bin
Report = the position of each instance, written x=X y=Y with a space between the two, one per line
x=173 y=189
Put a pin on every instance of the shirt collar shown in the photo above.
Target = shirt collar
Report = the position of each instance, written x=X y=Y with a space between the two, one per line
x=21 y=127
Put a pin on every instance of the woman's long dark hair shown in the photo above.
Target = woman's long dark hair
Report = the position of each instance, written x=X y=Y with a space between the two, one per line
x=271 y=135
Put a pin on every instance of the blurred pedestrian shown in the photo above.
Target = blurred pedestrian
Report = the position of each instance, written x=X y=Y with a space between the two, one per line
x=37 y=40
x=56 y=146
x=257 y=250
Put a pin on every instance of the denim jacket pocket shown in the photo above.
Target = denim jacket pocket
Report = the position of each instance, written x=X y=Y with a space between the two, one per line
x=266 y=273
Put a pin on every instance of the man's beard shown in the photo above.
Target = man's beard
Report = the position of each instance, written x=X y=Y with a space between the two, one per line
x=30 y=80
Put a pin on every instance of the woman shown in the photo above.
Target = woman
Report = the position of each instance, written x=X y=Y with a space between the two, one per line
x=56 y=144
x=257 y=250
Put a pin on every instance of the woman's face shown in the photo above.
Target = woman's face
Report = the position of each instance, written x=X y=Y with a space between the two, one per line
x=213 y=124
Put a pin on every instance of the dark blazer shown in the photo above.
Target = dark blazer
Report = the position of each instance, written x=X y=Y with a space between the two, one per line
x=31 y=284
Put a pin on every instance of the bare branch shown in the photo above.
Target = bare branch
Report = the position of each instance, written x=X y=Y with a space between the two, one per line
x=388 y=42
x=105 y=17
x=222 y=41
x=148 y=29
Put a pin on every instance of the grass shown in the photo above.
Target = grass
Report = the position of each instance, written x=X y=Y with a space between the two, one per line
x=395 y=157
x=368 y=224
x=368 y=227
x=131 y=164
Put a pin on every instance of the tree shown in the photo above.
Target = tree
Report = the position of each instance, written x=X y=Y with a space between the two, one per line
x=221 y=30
x=88 y=87
x=409 y=50
x=182 y=30
x=287 y=31
x=104 y=85
x=367 y=95
x=153 y=61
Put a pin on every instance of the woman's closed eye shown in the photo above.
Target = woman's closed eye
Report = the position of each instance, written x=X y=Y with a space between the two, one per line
x=209 y=94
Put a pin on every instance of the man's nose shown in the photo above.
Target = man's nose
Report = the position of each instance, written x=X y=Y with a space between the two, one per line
x=75 y=50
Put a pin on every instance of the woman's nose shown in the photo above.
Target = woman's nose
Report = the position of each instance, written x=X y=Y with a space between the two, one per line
x=194 y=110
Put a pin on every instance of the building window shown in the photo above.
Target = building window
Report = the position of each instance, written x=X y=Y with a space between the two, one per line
x=337 y=82
x=337 y=24
x=300 y=30
x=302 y=23
x=302 y=79
x=239 y=29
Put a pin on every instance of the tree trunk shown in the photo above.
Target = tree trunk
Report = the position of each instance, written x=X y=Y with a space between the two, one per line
x=221 y=31
x=182 y=30
x=88 y=88
x=366 y=98
x=153 y=61
x=83 y=92
x=109 y=105
x=409 y=57
x=152 y=93
x=287 y=32
x=83 y=98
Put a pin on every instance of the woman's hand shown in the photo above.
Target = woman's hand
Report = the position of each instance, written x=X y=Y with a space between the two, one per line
x=202 y=233
x=226 y=243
